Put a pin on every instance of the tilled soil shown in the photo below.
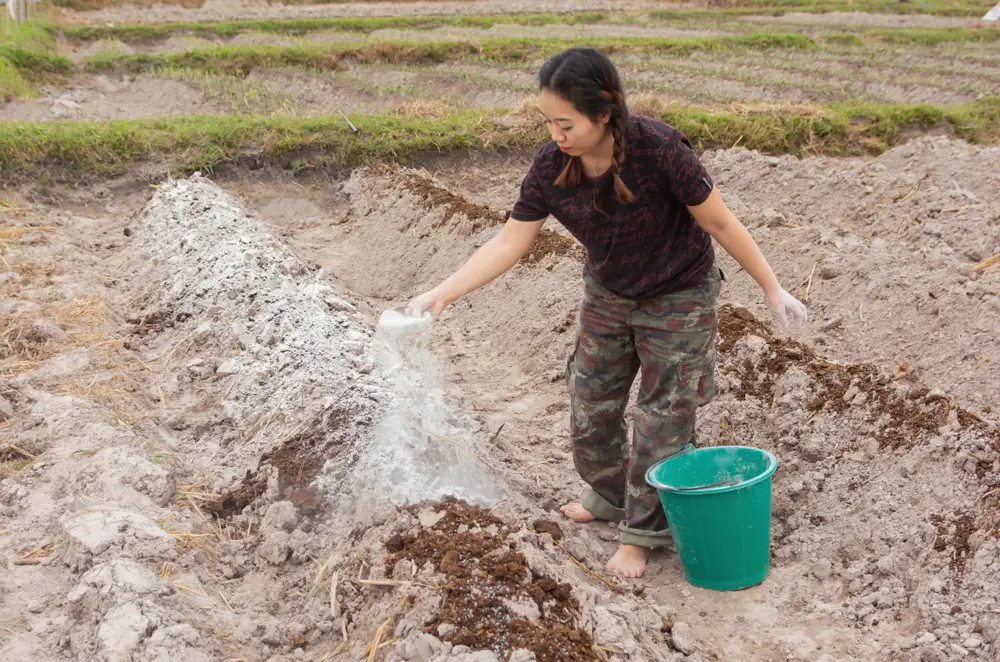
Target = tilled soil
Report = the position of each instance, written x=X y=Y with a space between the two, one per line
x=174 y=375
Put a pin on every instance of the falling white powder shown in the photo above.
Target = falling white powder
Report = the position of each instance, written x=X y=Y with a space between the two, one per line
x=424 y=447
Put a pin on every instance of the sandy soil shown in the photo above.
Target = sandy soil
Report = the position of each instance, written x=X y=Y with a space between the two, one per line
x=843 y=207
x=108 y=98
x=177 y=374
x=372 y=89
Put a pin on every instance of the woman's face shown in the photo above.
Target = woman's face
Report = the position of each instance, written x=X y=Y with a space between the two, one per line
x=571 y=130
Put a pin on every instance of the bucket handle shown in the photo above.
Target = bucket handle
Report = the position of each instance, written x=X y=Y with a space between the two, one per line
x=722 y=483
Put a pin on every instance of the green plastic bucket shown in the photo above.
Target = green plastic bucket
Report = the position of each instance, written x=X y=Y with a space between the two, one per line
x=718 y=505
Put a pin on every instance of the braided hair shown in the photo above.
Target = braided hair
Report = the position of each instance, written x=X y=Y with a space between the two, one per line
x=586 y=78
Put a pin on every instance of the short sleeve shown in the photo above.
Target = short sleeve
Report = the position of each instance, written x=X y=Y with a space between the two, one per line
x=686 y=179
x=531 y=204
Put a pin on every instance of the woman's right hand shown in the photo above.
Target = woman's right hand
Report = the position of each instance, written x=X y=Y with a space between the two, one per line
x=433 y=302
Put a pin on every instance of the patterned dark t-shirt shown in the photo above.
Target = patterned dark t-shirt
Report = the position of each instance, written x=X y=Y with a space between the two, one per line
x=644 y=249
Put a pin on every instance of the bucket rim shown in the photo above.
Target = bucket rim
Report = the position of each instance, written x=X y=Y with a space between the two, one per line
x=772 y=466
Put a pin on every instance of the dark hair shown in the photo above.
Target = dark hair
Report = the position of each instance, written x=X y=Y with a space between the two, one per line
x=586 y=78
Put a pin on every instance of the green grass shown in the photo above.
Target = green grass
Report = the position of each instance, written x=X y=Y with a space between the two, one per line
x=35 y=65
x=327 y=142
x=25 y=57
x=242 y=96
x=330 y=56
x=301 y=26
x=240 y=60
x=36 y=35
x=778 y=7
x=11 y=82
x=91 y=5
x=364 y=26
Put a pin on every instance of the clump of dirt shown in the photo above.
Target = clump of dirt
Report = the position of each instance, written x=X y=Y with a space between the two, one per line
x=840 y=385
x=953 y=537
x=433 y=197
x=301 y=457
x=234 y=500
x=487 y=602
x=549 y=527
x=552 y=243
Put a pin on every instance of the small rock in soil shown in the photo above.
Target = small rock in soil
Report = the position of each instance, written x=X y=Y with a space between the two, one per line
x=228 y=367
x=870 y=448
x=522 y=655
x=275 y=547
x=44 y=330
x=428 y=518
x=683 y=638
x=822 y=569
x=280 y=515
x=835 y=323
x=6 y=410
x=550 y=527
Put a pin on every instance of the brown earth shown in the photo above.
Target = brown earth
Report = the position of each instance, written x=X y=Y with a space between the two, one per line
x=98 y=98
x=146 y=384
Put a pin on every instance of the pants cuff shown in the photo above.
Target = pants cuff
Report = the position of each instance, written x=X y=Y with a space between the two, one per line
x=643 y=538
x=600 y=507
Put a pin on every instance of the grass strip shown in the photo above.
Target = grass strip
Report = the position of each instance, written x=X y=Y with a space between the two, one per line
x=93 y=5
x=25 y=57
x=330 y=56
x=12 y=84
x=301 y=26
x=35 y=65
x=778 y=7
x=205 y=142
x=367 y=25
x=364 y=26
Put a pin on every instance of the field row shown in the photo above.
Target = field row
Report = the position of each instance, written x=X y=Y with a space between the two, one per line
x=331 y=142
x=960 y=8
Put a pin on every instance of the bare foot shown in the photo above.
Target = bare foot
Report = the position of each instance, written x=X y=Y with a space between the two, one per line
x=629 y=561
x=577 y=513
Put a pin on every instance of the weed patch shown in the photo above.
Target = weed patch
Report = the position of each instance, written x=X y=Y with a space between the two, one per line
x=243 y=97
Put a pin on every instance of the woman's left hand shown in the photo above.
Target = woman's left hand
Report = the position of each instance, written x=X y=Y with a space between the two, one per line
x=787 y=308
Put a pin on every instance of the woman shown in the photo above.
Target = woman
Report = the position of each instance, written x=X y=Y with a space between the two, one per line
x=633 y=192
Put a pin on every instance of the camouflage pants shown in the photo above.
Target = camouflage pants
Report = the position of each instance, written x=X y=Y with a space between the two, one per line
x=672 y=339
